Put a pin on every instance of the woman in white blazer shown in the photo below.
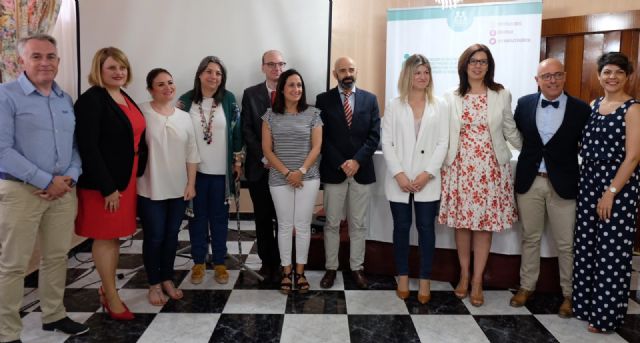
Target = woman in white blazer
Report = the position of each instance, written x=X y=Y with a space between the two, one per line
x=477 y=186
x=415 y=133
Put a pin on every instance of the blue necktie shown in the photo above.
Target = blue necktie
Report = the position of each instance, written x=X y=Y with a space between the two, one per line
x=546 y=103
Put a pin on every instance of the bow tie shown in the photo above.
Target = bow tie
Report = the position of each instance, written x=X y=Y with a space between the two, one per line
x=546 y=103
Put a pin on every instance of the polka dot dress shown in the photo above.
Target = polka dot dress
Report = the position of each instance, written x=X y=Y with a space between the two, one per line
x=603 y=249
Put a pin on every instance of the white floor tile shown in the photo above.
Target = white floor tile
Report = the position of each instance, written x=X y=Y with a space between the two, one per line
x=182 y=263
x=253 y=261
x=635 y=281
x=374 y=302
x=255 y=301
x=448 y=328
x=634 y=307
x=495 y=303
x=30 y=300
x=232 y=247
x=414 y=285
x=574 y=331
x=80 y=260
x=184 y=328
x=131 y=247
x=320 y=328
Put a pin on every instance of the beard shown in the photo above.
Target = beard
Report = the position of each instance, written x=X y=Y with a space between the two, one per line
x=347 y=82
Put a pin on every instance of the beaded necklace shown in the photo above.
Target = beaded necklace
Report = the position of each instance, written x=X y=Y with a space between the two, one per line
x=207 y=127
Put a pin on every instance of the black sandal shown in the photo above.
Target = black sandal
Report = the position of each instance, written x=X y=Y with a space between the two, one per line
x=302 y=286
x=286 y=284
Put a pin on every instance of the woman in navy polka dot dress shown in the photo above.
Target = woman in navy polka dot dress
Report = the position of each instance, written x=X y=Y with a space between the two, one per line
x=607 y=200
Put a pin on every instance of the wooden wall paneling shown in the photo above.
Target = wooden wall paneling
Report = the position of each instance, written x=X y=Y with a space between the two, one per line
x=591 y=23
x=629 y=45
x=556 y=48
x=590 y=87
x=611 y=41
x=573 y=52
x=543 y=48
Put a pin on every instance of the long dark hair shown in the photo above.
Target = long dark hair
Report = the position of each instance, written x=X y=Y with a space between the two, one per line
x=197 y=87
x=278 y=104
x=463 y=62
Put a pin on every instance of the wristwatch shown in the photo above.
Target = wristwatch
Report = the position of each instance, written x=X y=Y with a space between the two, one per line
x=613 y=190
x=303 y=170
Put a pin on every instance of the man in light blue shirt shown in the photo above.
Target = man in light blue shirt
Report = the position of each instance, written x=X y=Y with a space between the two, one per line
x=546 y=185
x=39 y=166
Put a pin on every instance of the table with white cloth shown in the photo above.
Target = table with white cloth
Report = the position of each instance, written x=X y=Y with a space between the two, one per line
x=506 y=242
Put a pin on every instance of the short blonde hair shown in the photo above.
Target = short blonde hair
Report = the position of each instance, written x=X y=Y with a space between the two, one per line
x=95 y=75
x=405 y=81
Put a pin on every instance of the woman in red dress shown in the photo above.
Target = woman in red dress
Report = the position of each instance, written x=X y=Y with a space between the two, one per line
x=110 y=137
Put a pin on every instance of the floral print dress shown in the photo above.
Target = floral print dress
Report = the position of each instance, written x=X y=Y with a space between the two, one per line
x=477 y=192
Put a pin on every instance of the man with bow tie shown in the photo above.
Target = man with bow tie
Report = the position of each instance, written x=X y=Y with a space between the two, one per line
x=546 y=185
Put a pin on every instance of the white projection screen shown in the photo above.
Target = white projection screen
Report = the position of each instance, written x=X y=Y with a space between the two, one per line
x=176 y=35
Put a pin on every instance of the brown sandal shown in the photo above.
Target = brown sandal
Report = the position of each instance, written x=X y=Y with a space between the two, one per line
x=286 y=284
x=302 y=286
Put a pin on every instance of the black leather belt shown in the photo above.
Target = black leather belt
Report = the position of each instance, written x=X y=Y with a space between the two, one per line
x=9 y=177
x=544 y=175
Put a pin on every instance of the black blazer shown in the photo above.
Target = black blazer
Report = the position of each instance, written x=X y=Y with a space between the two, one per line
x=255 y=102
x=341 y=143
x=105 y=142
x=560 y=153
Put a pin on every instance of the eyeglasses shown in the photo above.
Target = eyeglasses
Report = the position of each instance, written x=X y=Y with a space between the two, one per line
x=475 y=62
x=275 y=64
x=558 y=76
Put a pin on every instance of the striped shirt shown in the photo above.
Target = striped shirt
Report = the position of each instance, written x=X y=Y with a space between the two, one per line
x=291 y=137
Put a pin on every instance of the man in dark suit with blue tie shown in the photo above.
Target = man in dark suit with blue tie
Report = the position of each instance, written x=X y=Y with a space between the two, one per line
x=255 y=102
x=551 y=124
x=350 y=136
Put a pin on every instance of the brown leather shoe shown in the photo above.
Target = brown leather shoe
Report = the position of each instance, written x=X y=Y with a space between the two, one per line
x=566 y=310
x=328 y=279
x=521 y=297
x=360 y=279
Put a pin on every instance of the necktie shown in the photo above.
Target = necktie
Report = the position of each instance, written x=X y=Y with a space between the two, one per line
x=348 y=112
x=546 y=103
x=273 y=97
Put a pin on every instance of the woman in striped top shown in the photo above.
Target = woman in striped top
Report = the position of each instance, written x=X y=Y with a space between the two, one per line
x=291 y=140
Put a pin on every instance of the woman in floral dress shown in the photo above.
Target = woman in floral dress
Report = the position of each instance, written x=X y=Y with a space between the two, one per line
x=477 y=187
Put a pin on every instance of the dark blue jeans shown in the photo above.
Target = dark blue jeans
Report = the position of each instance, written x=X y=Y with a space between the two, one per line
x=211 y=214
x=425 y=224
x=160 y=221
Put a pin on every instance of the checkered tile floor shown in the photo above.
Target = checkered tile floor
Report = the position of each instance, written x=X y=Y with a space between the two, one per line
x=246 y=311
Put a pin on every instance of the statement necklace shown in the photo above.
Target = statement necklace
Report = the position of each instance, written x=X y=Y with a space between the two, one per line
x=207 y=126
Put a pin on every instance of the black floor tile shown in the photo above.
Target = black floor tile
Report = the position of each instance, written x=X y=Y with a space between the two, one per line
x=316 y=302
x=442 y=302
x=139 y=279
x=379 y=328
x=544 y=303
x=520 y=328
x=630 y=330
x=248 y=328
x=198 y=301
x=130 y=261
x=376 y=281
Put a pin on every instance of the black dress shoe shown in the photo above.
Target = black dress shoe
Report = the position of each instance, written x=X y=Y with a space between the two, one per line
x=265 y=271
x=66 y=325
x=328 y=279
x=360 y=279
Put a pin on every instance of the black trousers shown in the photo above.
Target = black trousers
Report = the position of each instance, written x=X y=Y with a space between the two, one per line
x=266 y=221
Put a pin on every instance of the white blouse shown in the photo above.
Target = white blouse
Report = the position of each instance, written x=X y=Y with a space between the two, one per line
x=172 y=144
x=213 y=156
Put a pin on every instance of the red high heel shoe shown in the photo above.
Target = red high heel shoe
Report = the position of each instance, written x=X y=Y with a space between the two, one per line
x=124 y=315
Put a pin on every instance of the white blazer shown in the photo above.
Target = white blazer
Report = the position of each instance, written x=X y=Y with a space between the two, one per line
x=404 y=152
x=502 y=127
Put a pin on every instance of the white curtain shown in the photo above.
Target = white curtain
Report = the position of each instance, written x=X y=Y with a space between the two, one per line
x=64 y=31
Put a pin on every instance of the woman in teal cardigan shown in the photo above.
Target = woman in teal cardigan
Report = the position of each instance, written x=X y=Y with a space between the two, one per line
x=216 y=119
